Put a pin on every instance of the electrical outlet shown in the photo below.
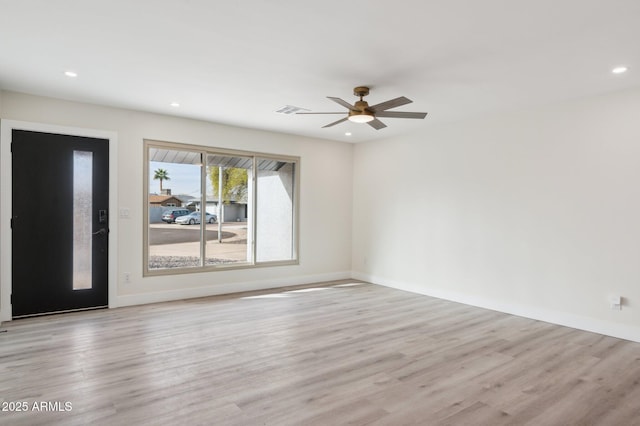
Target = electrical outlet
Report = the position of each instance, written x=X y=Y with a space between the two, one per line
x=126 y=277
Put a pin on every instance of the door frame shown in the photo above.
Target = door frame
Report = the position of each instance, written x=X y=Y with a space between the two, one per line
x=6 y=207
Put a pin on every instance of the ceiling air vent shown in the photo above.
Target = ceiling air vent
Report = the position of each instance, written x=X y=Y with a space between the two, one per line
x=290 y=109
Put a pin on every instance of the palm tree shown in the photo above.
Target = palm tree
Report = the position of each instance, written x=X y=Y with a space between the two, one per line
x=161 y=174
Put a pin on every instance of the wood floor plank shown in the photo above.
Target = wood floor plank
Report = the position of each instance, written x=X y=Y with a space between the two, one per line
x=329 y=354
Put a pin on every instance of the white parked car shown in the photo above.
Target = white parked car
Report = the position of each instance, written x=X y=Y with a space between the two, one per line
x=193 y=218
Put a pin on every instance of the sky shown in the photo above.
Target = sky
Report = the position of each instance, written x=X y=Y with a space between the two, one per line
x=183 y=179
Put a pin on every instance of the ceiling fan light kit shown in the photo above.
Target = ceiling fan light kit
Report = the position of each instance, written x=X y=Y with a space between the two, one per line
x=361 y=112
x=360 y=117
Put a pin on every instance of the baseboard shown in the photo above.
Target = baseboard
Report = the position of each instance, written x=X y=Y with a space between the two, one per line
x=621 y=331
x=215 y=290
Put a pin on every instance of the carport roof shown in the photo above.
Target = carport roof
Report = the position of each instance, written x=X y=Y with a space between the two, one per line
x=163 y=155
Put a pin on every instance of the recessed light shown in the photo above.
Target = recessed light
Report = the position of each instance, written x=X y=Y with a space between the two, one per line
x=348 y=134
x=619 y=70
x=71 y=74
x=175 y=104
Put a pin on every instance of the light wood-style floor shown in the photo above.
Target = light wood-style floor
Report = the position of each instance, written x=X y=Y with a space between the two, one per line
x=328 y=355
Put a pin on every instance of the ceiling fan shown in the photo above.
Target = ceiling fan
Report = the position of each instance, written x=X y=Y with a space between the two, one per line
x=361 y=112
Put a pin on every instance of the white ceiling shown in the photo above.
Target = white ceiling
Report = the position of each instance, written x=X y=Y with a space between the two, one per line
x=237 y=62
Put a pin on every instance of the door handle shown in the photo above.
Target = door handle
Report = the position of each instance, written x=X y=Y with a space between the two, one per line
x=101 y=231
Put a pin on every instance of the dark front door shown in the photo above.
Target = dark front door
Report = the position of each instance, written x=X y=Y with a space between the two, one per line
x=59 y=223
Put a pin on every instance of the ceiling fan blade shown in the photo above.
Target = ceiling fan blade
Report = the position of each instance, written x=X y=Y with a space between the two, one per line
x=343 y=103
x=401 y=114
x=390 y=104
x=320 y=112
x=376 y=124
x=336 y=122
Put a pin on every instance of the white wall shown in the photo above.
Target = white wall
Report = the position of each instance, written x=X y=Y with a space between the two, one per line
x=325 y=235
x=535 y=213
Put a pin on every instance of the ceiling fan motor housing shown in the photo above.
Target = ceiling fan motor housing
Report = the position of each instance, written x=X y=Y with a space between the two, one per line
x=362 y=106
x=361 y=112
